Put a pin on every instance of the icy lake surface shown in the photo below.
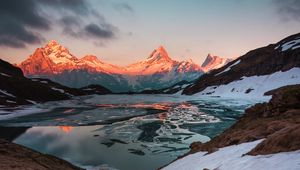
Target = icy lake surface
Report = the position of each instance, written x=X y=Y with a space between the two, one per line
x=122 y=131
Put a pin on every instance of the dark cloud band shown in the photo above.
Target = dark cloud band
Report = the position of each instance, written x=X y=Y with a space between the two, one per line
x=19 y=22
x=22 y=22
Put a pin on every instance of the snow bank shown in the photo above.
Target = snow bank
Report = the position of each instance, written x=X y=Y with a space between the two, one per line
x=232 y=158
x=253 y=87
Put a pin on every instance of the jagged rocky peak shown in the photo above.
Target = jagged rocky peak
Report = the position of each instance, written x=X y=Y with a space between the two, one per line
x=159 y=54
x=58 y=54
x=208 y=59
x=52 y=43
x=54 y=46
x=213 y=62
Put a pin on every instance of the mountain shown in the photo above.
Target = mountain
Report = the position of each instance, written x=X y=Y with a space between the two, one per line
x=160 y=62
x=210 y=63
x=158 y=71
x=15 y=89
x=254 y=73
x=56 y=59
x=214 y=62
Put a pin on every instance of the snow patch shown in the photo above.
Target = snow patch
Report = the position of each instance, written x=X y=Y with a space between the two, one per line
x=45 y=82
x=6 y=93
x=9 y=101
x=290 y=44
x=31 y=101
x=229 y=67
x=3 y=74
x=60 y=90
x=295 y=47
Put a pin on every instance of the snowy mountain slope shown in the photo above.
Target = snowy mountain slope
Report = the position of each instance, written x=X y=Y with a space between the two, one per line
x=214 y=62
x=232 y=157
x=158 y=71
x=210 y=63
x=160 y=62
x=92 y=63
x=254 y=87
x=254 y=73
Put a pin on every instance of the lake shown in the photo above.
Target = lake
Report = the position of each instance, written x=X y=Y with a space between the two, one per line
x=123 y=131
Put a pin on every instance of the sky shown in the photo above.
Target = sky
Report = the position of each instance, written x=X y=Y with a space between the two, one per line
x=126 y=31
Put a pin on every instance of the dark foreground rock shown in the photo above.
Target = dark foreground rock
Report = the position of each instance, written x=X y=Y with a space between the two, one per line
x=16 y=157
x=278 y=122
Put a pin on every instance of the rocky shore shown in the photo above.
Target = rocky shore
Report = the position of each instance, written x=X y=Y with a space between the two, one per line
x=278 y=122
x=267 y=132
x=16 y=157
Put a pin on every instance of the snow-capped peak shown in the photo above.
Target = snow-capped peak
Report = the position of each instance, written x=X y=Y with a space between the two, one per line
x=208 y=60
x=213 y=62
x=54 y=46
x=159 y=54
x=52 y=43
x=58 y=54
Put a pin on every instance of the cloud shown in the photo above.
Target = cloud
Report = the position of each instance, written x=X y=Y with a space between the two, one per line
x=84 y=22
x=80 y=7
x=288 y=9
x=23 y=22
x=69 y=25
x=104 y=31
x=69 y=20
x=76 y=28
x=19 y=23
x=123 y=7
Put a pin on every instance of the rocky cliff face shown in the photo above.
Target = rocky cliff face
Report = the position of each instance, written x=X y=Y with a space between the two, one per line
x=281 y=56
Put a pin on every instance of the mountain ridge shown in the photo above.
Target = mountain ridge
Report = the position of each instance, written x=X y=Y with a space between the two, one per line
x=214 y=62
x=158 y=70
x=56 y=55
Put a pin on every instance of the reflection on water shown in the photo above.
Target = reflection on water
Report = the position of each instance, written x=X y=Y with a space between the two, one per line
x=66 y=129
x=92 y=146
x=137 y=134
